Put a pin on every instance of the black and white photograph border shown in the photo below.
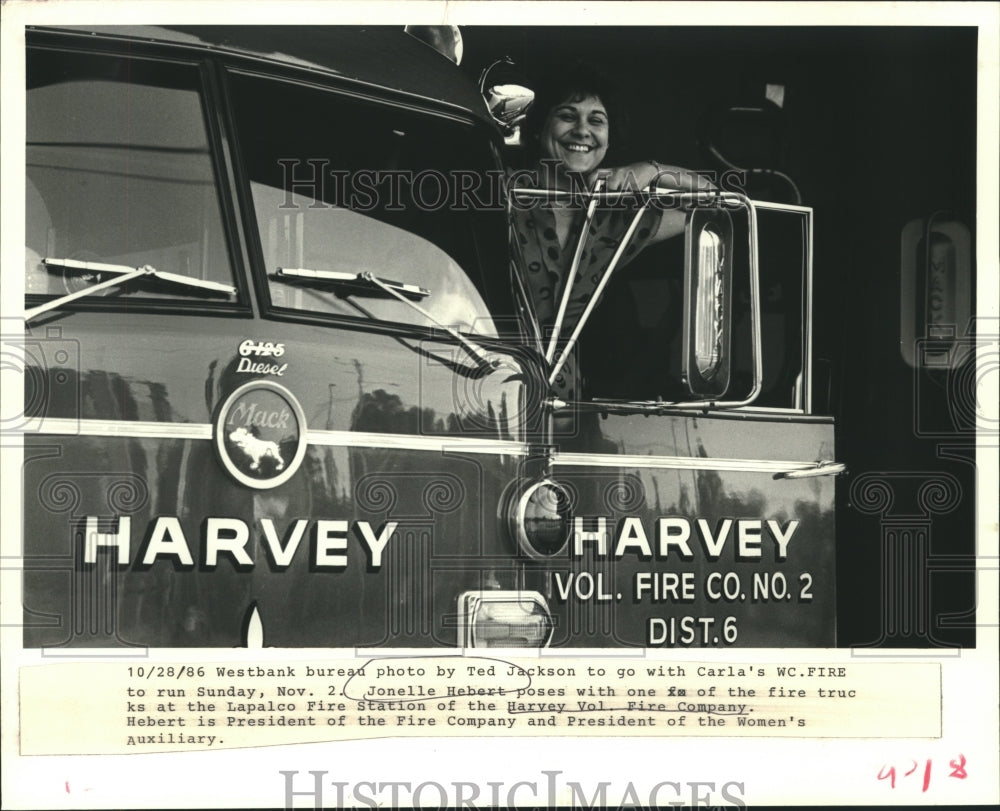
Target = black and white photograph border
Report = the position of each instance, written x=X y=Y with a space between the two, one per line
x=645 y=338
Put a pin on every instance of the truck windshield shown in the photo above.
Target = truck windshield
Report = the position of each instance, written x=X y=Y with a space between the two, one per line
x=119 y=173
x=345 y=188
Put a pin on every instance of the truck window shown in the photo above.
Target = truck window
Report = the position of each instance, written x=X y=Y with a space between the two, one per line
x=347 y=187
x=119 y=172
x=631 y=348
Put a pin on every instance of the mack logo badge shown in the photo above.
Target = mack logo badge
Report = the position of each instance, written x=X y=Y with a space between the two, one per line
x=260 y=434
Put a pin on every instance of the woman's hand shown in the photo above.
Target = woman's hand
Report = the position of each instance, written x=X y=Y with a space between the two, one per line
x=635 y=177
x=640 y=176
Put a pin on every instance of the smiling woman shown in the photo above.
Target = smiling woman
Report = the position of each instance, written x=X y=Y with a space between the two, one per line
x=574 y=125
x=576 y=133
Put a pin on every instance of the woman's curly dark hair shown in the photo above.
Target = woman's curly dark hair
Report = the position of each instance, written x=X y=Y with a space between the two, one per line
x=574 y=83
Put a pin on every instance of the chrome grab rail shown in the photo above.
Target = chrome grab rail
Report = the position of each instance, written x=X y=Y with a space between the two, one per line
x=571 y=279
x=688 y=197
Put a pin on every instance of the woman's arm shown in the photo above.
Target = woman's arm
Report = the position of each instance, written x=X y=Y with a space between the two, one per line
x=638 y=176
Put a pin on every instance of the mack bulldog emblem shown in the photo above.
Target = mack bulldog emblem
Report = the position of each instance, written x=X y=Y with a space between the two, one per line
x=260 y=434
x=256 y=449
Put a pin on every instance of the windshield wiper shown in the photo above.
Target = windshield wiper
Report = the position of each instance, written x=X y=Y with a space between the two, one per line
x=369 y=282
x=361 y=282
x=122 y=274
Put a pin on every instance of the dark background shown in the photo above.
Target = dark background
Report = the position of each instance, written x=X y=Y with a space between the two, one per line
x=878 y=127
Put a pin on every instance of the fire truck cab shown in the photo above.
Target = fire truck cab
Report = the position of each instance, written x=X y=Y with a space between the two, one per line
x=283 y=376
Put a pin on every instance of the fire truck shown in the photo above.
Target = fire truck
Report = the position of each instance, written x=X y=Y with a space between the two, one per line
x=284 y=381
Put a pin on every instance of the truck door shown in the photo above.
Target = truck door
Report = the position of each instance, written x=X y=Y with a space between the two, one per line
x=699 y=521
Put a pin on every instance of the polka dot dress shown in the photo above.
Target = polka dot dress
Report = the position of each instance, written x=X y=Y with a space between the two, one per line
x=547 y=263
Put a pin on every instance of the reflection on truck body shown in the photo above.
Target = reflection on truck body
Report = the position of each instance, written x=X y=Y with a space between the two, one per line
x=271 y=378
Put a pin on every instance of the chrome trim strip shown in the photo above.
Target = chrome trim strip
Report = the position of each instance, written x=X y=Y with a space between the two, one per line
x=347 y=439
x=664 y=408
x=121 y=428
x=682 y=462
x=408 y=442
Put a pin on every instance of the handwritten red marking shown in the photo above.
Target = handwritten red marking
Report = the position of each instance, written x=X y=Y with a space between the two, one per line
x=957 y=770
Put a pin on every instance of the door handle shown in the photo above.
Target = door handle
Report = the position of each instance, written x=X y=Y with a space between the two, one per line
x=821 y=468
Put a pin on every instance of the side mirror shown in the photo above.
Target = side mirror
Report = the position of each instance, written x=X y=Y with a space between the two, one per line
x=708 y=315
x=508 y=102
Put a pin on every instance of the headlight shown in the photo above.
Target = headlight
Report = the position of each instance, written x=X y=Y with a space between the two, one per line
x=504 y=619
x=539 y=519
